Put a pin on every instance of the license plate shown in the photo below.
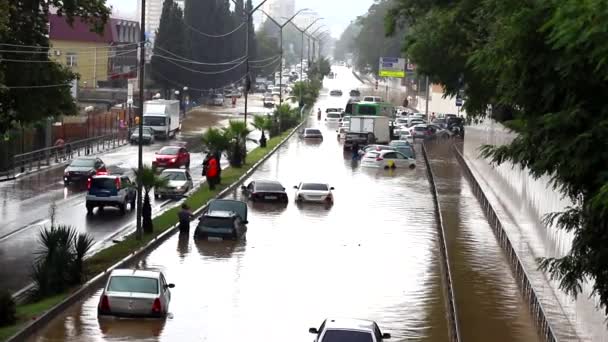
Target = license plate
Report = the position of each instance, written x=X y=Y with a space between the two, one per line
x=271 y=197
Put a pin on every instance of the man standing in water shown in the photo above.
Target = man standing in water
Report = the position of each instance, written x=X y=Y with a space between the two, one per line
x=212 y=172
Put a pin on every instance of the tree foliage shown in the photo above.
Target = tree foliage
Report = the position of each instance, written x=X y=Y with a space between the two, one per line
x=149 y=179
x=169 y=37
x=544 y=64
x=23 y=24
x=346 y=43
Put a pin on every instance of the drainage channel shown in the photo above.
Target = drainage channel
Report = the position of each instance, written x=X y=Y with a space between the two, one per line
x=487 y=298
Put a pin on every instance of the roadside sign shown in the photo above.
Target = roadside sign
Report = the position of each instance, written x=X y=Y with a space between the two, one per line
x=130 y=92
x=392 y=67
x=459 y=101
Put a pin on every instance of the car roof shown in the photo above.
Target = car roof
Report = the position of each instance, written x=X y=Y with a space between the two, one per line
x=174 y=170
x=349 y=323
x=135 y=273
x=265 y=181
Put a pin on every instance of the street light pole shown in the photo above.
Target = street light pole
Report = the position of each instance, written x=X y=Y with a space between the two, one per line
x=281 y=26
x=140 y=163
x=302 y=49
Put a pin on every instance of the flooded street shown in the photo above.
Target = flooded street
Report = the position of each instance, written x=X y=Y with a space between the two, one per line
x=372 y=255
x=488 y=301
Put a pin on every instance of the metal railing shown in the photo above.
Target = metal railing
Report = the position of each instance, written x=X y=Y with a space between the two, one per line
x=36 y=160
x=452 y=313
x=520 y=274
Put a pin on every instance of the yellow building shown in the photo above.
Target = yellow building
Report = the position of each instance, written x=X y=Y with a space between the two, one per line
x=75 y=46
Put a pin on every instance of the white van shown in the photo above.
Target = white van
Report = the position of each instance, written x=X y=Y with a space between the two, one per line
x=163 y=117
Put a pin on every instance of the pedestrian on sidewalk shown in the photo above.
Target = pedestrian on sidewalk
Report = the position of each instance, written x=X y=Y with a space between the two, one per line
x=184 y=215
x=59 y=145
x=212 y=172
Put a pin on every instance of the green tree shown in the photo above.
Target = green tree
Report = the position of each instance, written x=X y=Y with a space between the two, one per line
x=21 y=82
x=237 y=132
x=215 y=140
x=149 y=180
x=262 y=124
x=170 y=37
x=346 y=43
x=528 y=61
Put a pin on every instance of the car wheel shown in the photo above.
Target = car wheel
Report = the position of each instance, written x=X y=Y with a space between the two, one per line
x=66 y=183
x=156 y=196
x=122 y=208
x=133 y=204
x=101 y=208
x=412 y=166
x=89 y=209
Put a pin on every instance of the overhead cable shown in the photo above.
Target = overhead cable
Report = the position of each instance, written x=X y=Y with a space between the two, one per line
x=206 y=72
x=186 y=60
x=214 y=35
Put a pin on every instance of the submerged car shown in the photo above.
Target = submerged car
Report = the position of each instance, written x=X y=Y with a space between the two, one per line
x=348 y=329
x=179 y=182
x=264 y=190
x=135 y=293
x=146 y=138
x=314 y=192
x=403 y=146
x=225 y=219
x=335 y=92
x=269 y=102
x=387 y=159
x=311 y=133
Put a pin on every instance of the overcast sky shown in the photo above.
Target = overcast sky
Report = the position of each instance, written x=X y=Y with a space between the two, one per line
x=338 y=14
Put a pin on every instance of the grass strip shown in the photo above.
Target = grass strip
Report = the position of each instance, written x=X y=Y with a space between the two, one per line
x=105 y=258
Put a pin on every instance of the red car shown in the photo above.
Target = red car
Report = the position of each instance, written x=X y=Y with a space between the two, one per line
x=172 y=157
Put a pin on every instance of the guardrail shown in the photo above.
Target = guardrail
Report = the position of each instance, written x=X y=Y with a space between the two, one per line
x=46 y=157
x=523 y=280
x=444 y=263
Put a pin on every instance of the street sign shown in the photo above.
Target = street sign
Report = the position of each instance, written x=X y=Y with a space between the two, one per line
x=459 y=101
x=392 y=67
x=130 y=92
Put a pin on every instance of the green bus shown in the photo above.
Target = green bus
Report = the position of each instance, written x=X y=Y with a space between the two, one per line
x=373 y=108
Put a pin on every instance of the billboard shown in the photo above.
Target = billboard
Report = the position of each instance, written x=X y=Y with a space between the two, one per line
x=392 y=67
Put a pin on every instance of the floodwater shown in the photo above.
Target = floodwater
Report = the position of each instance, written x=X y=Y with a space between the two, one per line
x=372 y=255
x=25 y=202
x=488 y=301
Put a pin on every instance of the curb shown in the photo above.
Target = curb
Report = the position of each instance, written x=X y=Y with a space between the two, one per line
x=91 y=285
x=452 y=313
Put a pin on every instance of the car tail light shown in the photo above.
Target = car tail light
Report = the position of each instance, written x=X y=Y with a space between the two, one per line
x=89 y=183
x=117 y=183
x=101 y=173
x=157 y=307
x=173 y=160
x=104 y=304
x=379 y=159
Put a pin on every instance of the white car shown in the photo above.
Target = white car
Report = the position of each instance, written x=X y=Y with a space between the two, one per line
x=400 y=122
x=333 y=117
x=314 y=192
x=342 y=132
x=372 y=99
x=406 y=135
x=217 y=99
x=387 y=159
x=276 y=91
x=348 y=329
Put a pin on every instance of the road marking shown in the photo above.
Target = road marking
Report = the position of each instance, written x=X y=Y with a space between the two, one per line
x=24 y=228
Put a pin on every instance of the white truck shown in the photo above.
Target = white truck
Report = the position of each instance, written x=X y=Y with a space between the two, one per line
x=162 y=116
x=378 y=125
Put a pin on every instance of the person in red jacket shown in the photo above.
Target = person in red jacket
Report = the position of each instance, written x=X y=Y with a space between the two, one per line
x=212 y=172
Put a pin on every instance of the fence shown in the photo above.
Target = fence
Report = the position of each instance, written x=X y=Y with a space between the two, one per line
x=444 y=262
x=522 y=278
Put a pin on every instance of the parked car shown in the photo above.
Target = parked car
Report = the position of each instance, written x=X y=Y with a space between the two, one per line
x=147 y=136
x=387 y=159
x=440 y=132
x=135 y=293
x=333 y=117
x=80 y=169
x=269 y=102
x=401 y=122
x=372 y=99
x=110 y=191
x=311 y=133
x=404 y=147
x=264 y=190
x=225 y=219
x=179 y=183
x=354 y=93
x=440 y=123
x=333 y=110
x=374 y=147
x=172 y=157
x=335 y=92
x=406 y=135
x=314 y=192
x=346 y=329
x=217 y=99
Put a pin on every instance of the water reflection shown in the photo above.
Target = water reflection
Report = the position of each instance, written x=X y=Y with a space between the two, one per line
x=125 y=329
x=183 y=244
x=221 y=249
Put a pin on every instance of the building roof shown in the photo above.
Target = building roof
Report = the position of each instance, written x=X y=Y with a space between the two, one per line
x=132 y=37
x=79 y=31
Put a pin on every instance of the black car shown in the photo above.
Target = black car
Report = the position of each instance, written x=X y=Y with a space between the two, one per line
x=263 y=190
x=80 y=169
x=355 y=93
x=335 y=92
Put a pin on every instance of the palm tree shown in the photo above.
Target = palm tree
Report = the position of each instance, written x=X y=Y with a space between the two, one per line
x=237 y=132
x=216 y=140
x=263 y=124
x=149 y=180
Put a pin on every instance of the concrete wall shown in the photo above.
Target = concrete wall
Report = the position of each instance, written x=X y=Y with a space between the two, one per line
x=437 y=103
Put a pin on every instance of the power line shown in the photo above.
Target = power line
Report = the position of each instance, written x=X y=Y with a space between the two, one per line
x=213 y=35
x=266 y=65
x=266 y=59
x=186 y=60
x=206 y=72
x=68 y=47
x=55 y=61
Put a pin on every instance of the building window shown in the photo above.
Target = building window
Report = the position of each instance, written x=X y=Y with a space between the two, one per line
x=71 y=59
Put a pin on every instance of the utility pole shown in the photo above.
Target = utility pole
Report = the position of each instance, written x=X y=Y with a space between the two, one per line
x=302 y=50
x=248 y=16
x=427 y=100
x=281 y=27
x=140 y=163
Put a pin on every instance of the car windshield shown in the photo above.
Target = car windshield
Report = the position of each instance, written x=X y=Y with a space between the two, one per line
x=268 y=187
x=154 y=121
x=333 y=115
x=103 y=183
x=420 y=128
x=169 y=150
x=216 y=222
x=83 y=163
x=175 y=176
x=133 y=284
x=216 y=96
x=347 y=335
x=314 y=187
x=313 y=131
x=269 y=99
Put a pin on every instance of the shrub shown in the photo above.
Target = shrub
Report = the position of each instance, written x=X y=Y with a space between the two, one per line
x=7 y=309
